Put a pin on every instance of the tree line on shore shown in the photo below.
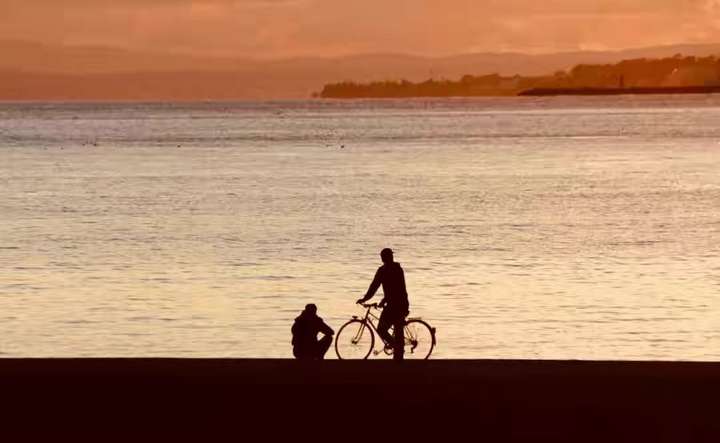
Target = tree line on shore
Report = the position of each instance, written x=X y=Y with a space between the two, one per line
x=666 y=72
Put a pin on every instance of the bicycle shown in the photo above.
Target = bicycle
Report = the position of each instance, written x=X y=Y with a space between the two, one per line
x=356 y=338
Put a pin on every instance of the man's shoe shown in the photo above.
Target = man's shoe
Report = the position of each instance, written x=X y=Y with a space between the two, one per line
x=389 y=349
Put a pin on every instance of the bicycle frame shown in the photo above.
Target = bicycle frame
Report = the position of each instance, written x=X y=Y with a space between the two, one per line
x=368 y=320
x=371 y=320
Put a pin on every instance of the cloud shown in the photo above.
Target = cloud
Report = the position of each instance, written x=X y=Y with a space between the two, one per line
x=274 y=28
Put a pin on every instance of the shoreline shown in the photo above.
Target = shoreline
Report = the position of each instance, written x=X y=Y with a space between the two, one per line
x=679 y=90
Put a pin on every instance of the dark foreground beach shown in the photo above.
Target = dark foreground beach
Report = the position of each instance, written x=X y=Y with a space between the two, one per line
x=482 y=400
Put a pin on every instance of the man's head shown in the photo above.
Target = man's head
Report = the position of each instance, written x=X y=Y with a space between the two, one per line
x=386 y=255
x=310 y=309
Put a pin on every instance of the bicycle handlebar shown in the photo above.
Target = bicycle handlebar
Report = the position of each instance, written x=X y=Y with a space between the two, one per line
x=369 y=305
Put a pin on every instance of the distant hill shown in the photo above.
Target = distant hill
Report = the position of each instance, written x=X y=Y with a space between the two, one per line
x=30 y=71
x=672 y=75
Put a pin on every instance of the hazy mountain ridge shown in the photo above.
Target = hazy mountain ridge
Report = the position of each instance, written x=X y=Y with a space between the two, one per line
x=680 y=74
x=30 y=71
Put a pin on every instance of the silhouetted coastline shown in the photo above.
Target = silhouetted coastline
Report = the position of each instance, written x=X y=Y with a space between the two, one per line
x=621 y=91
x=673 y=75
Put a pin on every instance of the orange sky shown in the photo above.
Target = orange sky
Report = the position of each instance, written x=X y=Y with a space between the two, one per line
x=280 y=28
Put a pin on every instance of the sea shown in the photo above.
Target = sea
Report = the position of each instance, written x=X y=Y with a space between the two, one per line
x=528 y=228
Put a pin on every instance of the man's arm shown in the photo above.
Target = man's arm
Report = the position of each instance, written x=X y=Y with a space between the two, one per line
x=373 y=286
x=325 y=329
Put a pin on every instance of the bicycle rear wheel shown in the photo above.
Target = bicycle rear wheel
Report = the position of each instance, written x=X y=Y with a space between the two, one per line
x=419 y=340
x=354 y=340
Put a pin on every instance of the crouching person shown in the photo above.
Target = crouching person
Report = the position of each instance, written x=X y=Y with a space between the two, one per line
x=308 y=325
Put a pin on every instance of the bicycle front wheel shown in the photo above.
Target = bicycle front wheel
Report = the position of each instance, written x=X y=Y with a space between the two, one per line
x=354 y=340
x=419 y=340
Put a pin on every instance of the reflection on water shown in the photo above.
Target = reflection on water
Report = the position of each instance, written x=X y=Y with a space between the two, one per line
x=534 y=228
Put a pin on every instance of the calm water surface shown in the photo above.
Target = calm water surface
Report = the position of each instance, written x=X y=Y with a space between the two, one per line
x=528 y=228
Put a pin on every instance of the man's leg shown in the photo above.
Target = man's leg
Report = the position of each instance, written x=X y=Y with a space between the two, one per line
x=399 y=338
x=384 y=325
x=323 y=346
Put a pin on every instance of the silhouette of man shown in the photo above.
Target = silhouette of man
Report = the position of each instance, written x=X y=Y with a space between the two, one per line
x=395 y=301
x=305 y=330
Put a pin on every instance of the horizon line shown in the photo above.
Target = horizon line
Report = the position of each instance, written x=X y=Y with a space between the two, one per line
x=284 y=58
